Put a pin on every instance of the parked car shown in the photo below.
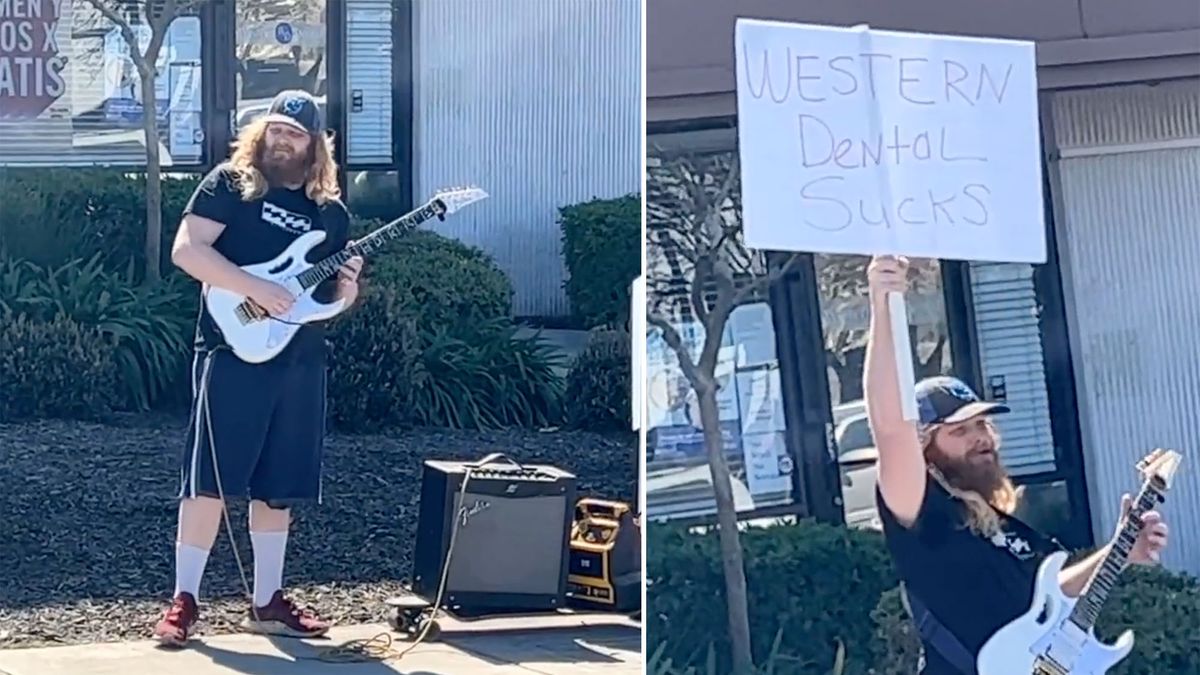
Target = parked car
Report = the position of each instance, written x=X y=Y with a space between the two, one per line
x=858 y=464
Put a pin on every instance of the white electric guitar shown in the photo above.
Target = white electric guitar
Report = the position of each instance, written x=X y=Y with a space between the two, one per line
x=1056 y=635
x=256 y=336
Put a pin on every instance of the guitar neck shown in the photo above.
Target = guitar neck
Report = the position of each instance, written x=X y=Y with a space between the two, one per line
x=1104 y=579
x=329 y=266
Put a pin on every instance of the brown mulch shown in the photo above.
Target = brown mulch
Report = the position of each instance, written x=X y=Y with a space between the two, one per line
x=88 y=515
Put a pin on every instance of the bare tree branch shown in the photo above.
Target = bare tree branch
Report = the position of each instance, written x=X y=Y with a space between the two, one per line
x=157 y=16
x=675 y=342
x=161 y=21
x=126 y=29
x=695 y=200
x=764 y=282
x=703 y=272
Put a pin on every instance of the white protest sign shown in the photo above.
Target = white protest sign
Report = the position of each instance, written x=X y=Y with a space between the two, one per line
x=874 y=142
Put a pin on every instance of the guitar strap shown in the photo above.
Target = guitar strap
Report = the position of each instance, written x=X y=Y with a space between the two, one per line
x=937 y=635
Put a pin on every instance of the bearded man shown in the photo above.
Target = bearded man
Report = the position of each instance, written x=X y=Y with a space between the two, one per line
x=257 y=430
x=946 y=504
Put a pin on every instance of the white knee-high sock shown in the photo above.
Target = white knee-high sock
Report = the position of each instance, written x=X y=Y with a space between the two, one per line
x=269 y=550
x=189 y=568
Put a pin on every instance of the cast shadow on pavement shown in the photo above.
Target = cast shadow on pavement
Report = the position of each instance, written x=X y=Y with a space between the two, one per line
x=297 y=658
x=544 y=645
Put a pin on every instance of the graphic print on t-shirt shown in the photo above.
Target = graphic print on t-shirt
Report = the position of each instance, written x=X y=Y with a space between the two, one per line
x=280 y=217
x=1013 y=543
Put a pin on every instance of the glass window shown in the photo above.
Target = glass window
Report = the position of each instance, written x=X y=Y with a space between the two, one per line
x=1047 y=508
x=749 y=399
x=374 y=194
x=369 y=53
x=79 y=102
x=842 y=292
x=279 y=46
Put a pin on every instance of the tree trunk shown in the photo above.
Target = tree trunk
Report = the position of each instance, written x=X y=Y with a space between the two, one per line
x=731 y=547
x=153 y=176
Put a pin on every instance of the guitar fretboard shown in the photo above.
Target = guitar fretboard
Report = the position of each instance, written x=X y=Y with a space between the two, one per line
x=328 y=267
x=1087 y=610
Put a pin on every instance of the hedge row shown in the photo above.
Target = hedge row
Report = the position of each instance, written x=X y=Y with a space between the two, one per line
x=814 y=586
x=430 y=343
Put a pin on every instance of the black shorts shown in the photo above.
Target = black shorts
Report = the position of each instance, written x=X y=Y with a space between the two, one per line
x=268 y=426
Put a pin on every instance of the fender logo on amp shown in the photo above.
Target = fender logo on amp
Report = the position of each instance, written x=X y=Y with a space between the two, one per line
x=478 y=507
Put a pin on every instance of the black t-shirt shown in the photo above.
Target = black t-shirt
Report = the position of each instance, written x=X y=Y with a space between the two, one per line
x=973 y=585
x=256 y=231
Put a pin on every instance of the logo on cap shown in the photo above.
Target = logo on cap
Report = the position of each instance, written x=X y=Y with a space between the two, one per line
x=961 y=391
x=293 y=106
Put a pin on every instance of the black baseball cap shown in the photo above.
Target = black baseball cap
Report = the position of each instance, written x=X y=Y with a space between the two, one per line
x=297 y=108
x=946 y=400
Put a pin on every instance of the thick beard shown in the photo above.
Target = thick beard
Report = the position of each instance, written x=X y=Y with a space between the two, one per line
x=280 y=171
x=986 y=479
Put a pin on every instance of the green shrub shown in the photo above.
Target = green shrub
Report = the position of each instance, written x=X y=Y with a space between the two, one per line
x=389 y=373
x=436 y=279
x=896 y=647
x=815 y=583
x=150 y=325
x=1163 y=610
x=375 y=352
x=598 y=385
x=602 y=247
x=55 y=368
x=479 y=375
x=430 y=343
x=776 y=662
x=818 y=584
x=65 y=214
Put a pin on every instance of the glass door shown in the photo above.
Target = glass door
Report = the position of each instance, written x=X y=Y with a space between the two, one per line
x=280 y=45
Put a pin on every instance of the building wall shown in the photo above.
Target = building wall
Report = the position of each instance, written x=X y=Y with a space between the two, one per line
x=1128 y=222
x=539 y=103
x=690 y=46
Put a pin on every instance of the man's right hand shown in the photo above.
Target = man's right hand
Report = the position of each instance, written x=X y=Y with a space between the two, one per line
x=887 y=274
x=271 y=296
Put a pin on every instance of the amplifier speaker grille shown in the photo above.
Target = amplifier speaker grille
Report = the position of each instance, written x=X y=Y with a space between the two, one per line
x=511 y=549
x=505 y=547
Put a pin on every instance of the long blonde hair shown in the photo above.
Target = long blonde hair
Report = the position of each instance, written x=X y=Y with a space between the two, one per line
x=321 y=178
x=980 y=509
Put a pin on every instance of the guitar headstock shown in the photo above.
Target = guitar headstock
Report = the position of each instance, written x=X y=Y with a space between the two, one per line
x=456 y=198
x=1160 y=466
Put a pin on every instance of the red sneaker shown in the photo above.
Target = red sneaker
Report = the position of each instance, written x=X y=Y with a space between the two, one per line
x=176 y=624
x=282 y=617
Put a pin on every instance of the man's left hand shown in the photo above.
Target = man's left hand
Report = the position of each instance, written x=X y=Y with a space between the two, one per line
x=348 y=277
x=1152 y=538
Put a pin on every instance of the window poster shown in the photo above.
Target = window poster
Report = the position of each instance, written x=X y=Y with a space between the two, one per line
x=749 y=404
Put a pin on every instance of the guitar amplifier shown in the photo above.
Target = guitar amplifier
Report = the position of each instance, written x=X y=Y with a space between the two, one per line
x=606 y=550
x=510 y=550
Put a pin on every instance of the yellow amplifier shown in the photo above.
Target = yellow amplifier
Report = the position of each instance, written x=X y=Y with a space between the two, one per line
x=605 y=563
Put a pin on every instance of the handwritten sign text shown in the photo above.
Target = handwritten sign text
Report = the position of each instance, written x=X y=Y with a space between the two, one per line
x=861 y=141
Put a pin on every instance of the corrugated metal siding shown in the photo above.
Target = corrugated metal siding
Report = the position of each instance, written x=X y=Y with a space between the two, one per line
x=539 y=103
x=1010 y=346
x=1125 y=115
x=369 y=76
x=1132 y=265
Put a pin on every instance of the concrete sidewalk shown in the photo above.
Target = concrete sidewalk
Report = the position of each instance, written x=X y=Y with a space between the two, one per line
x=557 y=645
